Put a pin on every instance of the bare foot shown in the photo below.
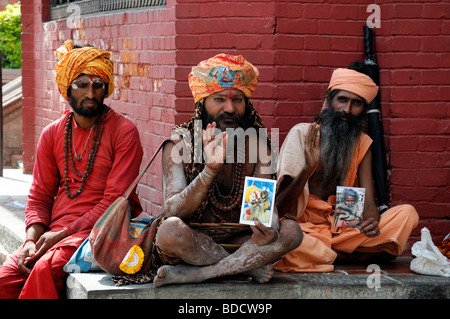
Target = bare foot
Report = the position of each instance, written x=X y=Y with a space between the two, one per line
x=181 y=274
x=261 y=274
x=168 y=274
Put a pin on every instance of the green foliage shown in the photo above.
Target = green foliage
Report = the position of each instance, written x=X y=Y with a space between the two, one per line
x=10 y=42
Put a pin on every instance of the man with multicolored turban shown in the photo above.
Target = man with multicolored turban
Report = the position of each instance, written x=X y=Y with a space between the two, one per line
x=334 y=151
x=199 y=236
x=84 y=161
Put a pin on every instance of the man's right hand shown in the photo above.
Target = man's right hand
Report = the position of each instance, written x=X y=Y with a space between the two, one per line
x=312 y=147
x=27 y=256
x=28 y=251
x=214 y=146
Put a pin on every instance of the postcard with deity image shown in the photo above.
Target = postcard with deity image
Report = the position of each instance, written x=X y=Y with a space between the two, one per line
x=258 y=201
x=349 y=206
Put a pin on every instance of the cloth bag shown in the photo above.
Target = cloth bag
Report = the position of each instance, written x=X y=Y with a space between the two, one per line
x=82 y=260
x=429 y=260
x=114 y=245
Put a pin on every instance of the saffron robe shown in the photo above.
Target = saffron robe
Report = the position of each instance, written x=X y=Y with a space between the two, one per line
x=315 y=216
x=116 y=166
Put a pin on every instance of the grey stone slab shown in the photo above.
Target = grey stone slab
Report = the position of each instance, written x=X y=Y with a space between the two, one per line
x=282 y=286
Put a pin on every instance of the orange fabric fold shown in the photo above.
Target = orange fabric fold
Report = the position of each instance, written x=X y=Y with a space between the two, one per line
x=316 y=217
x=223 y=72
x=354 y=82
x=87 y=60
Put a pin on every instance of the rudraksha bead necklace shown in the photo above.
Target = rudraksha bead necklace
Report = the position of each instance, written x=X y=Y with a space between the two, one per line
x=68 y=135
x=227 y=203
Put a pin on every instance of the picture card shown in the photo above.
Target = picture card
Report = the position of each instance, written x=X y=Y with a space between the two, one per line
x=258 y=201
x=349 y=206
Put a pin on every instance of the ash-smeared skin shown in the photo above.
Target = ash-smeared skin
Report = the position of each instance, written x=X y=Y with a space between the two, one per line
x=181 y=199
x=250 y=259
x=205 y=259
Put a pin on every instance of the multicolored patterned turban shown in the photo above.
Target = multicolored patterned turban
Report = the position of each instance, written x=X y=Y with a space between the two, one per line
x=208 y=77
x=223 y=72
x=354 y=82
x=87 y=60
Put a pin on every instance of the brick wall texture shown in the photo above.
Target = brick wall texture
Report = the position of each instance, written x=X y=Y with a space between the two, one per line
x=295 y=45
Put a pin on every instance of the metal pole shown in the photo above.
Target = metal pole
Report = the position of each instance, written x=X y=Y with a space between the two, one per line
x=1 y=117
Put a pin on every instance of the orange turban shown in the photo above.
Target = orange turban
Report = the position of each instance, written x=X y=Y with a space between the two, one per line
x=354 y=82
x=87 y=60
x=223 y=72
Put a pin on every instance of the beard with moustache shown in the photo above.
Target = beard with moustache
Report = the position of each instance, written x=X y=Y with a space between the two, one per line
x=86 y=112
x=339 y=133
x=240 y=122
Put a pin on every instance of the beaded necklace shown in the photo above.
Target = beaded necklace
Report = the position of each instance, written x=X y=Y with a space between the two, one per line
x=229 y=202
x=68 y=135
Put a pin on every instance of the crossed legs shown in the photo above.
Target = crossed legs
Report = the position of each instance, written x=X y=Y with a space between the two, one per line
x=205 y=259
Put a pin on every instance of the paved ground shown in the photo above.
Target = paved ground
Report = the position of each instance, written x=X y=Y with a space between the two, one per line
x=387 y=281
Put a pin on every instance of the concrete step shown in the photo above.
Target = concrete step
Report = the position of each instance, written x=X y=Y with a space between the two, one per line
x=3 y=254
x=12 y=224
x=14 y=187
x=393 y=281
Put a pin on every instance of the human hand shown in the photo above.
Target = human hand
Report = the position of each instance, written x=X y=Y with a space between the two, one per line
x=214 y=146
x=23 y=261
x=45 y=242
x=369 y=226
x=312 y=147
x=263 y=235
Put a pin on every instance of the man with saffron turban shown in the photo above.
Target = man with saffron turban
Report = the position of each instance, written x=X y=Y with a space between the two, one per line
x=207 y=187
x=334 y=151
x=84 y=161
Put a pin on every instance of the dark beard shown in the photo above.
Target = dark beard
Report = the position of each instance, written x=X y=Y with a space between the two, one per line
x=241 y=121
x=86 y=112
x=339 y=134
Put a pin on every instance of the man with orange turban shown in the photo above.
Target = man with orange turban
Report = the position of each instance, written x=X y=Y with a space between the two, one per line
x=203 y=195
x=84 y=161
x=334 y=151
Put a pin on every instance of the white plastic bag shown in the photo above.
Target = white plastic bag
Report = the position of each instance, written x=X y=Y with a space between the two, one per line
x=429 y=260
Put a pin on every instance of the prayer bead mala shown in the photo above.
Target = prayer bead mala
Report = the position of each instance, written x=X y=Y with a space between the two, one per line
x=237 y=189
x=68 y=135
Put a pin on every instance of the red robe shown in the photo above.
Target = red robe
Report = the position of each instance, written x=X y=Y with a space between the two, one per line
x=116 y=166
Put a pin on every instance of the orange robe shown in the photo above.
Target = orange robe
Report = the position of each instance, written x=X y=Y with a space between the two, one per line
x=315 y=216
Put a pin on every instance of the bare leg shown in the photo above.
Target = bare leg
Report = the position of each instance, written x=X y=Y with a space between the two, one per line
x=248 y=257
x=174 y=237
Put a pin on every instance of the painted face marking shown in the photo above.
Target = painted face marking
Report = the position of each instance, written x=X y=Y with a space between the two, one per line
x=231 y=95
x=93 y=80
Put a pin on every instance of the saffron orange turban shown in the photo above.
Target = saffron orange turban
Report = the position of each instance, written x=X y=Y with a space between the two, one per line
x=87 y=60
x=223 y=72
x=354 y=82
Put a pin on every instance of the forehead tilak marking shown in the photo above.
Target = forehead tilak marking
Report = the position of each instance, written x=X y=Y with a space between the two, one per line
x=92 y=79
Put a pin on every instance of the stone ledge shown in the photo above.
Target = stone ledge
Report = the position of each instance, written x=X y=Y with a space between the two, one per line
x=282 y=286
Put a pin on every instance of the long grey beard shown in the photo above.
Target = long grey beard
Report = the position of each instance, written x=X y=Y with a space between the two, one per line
x=338 y=140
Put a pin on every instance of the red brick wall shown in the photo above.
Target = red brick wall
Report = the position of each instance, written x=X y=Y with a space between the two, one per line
x=142 y=45
x=295 y=45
